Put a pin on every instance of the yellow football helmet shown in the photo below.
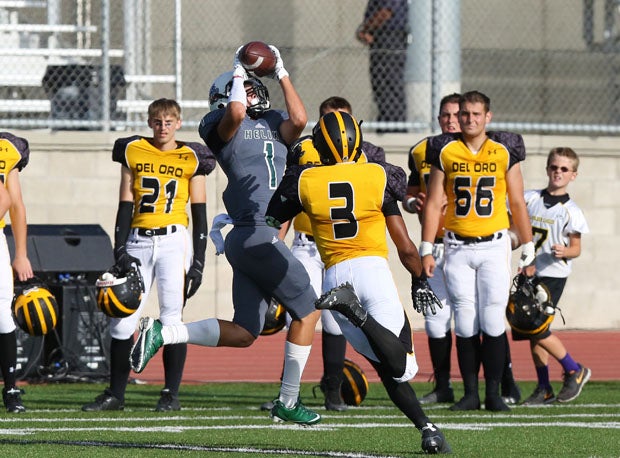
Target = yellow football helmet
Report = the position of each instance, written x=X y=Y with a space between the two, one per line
x=338 y=138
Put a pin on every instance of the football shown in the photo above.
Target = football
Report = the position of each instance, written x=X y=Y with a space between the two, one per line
x=257 y=58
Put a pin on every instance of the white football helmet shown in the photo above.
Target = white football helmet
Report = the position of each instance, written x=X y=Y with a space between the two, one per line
x=220 y=90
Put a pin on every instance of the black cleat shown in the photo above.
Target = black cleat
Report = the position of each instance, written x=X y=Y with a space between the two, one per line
x=495 y=404
x=437 y=396
x=330 y=386
x=433 y=440
x=467 y=402
x=167 y=401
x=105 y=401
x=344 y=300
x=12 y=400
x=511 y=393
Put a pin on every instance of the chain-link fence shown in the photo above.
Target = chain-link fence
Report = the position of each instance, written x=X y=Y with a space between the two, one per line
x=548 y=65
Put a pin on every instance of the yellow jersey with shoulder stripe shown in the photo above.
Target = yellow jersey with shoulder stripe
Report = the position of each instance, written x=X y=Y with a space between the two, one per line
x=161 y=178
x=475 y=183
x=14 y=154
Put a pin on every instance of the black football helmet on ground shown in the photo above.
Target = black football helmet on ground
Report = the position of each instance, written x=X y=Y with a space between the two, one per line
x=338 y=138
x=119 y=294
x=530 y=310
x=275 y=318
x=35 y=309
x=354 y=384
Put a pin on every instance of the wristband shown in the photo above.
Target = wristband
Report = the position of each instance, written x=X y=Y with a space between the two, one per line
x=237 y=91
x=426 y=249
x=409 y=205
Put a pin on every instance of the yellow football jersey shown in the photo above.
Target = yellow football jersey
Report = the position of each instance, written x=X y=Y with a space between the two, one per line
x=161 y=178
x=14 y=153
x=344 y=204
x=475 y=183
x=420 y=169
x=301 y=223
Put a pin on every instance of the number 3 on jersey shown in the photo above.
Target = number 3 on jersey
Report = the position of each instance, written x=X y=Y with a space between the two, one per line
x=343 y=229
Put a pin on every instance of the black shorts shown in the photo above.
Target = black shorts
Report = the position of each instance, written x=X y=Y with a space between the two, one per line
x=556 y=288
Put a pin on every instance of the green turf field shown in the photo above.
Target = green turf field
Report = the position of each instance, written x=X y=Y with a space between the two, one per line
x=224 y=420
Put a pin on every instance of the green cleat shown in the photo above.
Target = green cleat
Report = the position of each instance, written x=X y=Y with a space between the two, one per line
x=299 y=414
x=148 y=342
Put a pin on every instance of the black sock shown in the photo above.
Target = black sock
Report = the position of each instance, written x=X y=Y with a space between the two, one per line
x=174 y=362
x=387 y=346
x=334 y=349
x=493 y=352
x=8 y=358
x=440 y=357
x=119 y=366
x=507 y=375
x=403 y=396
x=468 y=352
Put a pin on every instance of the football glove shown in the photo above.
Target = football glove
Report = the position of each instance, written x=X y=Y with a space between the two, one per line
x=423 y=297
x=123 y=260
x=238 y=70
x=279 y=72
x=528 y=254
x=193 y=279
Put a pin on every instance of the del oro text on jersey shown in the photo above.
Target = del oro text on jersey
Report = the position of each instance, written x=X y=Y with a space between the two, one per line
x=479 y=167
x=162 y=169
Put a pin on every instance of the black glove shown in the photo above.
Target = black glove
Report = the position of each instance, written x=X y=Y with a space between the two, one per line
x=193 y=279
x=424 y=297
x=124 y=260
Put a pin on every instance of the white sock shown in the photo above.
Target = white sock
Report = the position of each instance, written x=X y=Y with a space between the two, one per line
x=295 y=358
x=174 y=334
x=205 y=332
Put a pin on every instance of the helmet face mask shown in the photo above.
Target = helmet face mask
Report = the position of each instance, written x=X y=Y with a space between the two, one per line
x=260 y=100
x=338 y=138
x=220 y=91
x=119 y=294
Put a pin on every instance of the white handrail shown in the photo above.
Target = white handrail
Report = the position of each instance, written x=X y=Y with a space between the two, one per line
x=22 y=4
x=45 y=28
x=55 y=52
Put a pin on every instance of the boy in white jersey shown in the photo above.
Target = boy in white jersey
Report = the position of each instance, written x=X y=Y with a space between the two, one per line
x=557 y=225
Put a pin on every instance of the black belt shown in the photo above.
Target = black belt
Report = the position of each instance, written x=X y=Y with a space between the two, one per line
x=156 y=231
x=439 y=240
x=472 y=240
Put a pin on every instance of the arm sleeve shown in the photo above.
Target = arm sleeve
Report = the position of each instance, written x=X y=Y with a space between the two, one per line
x=199 y=231
x=124 y=215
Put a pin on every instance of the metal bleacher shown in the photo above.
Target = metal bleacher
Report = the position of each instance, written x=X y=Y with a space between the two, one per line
x=32 y=39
